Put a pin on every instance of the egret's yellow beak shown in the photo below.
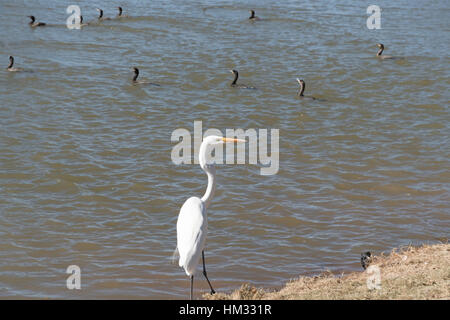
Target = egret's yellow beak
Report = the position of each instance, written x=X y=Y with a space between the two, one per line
x=232 y=140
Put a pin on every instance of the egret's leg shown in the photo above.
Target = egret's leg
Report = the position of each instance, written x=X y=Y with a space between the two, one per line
x=204 y=273
x=192 y=285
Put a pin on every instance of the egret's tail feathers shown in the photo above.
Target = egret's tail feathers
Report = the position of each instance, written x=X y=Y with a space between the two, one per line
x=175 y=256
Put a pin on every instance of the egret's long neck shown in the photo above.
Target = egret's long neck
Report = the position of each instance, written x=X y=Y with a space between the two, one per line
x=11 y=62
x=209 y=193
x=210 y=171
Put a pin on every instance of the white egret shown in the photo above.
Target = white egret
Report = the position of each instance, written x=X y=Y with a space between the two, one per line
x=192 y=221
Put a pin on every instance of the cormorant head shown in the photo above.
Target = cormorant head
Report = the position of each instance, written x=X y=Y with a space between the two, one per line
x=100 y=12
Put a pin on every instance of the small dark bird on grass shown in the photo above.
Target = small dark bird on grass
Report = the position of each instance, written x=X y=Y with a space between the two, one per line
x=366 y=259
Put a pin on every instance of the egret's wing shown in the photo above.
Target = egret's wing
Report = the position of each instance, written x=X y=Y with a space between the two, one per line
x=191 y=233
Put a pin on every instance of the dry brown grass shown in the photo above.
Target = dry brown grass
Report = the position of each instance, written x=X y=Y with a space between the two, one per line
x=407 y=273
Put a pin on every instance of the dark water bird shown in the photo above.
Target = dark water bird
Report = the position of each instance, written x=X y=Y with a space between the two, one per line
x=100 y=15
x=252 y=16
x=81 y=22
x=10 y=66
x=302 y=89
x=120 y=14
x=35 y=24
x=366 y=259
x=234 y=83
x=136 y=74
x=136 y=81
x=380 y=52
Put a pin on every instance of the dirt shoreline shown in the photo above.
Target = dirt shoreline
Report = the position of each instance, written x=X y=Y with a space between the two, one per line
x=406 y=273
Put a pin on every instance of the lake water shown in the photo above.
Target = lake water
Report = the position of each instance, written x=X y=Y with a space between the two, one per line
x=86 y=176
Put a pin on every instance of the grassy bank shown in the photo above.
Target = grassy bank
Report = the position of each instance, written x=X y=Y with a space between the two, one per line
x=407 y=273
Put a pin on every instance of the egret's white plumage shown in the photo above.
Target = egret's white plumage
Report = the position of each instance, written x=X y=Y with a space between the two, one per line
x=192 y=227
x=192 y=224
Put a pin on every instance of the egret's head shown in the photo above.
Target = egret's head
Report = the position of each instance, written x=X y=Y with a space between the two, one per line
x=233 y=71
x=380 y=45
x=212 y=140
x=301 y=82
x=206 y=147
